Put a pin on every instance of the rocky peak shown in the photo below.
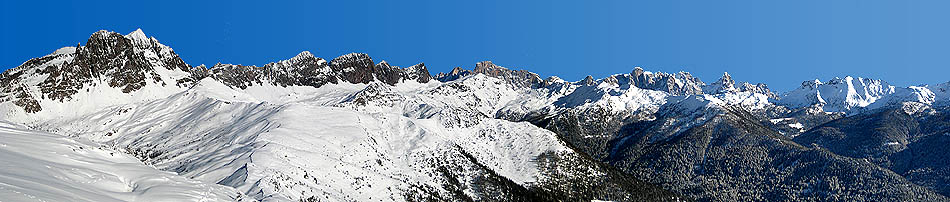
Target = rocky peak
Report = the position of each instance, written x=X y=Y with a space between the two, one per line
x=130 y=62
x=305 y=55
x=458 y=70
x=552 y=80
x=354 y=67
x=810 y=84
x=519 y=78
x=726 y=80
x=387 y=73
x=725 y=84
x=139 y=39
x=392 y=74
x=308 y=70
x=588 y=81
x=111 y=57
x=637 y=71
x=487 y=66
x=456 y=73
x=757 y=88
x=304 y=61
x=418 y=72
x=682 y=83
x=839 y=80
x=108 y=59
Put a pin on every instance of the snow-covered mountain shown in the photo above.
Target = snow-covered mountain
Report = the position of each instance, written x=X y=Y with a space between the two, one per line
x=849 y=93
x=352 y=129
x=40 y=166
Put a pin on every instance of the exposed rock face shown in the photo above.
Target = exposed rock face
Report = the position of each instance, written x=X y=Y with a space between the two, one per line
x=125 y=62
x=354 y=67
x=417 y=72
x=518 y=78
x=681 y=83
x=386 y=73
x=456 y=73
x=130 y=62
x=301 y=70
x=588 y=81
x=521 y=78
x=238 y=76
x=307 y=70
x=12 y=87
x=392 y=74
x=106 y=54
x=15 y=91
x=726 y=84
x=723 y=85
x=757 y=88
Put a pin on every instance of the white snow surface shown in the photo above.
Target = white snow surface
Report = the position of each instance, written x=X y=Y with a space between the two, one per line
x=278 y=144
x=65 y=50
x=39 y=166
x=852 y=95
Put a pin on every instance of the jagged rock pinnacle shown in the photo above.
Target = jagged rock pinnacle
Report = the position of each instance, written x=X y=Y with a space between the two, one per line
x=589 y=80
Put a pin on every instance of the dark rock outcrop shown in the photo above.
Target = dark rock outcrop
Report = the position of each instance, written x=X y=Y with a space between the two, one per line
x=681 y=83
x=518 y=78
x=354 y=67
x=129 y=63
x=392 y=74
x=307 y=70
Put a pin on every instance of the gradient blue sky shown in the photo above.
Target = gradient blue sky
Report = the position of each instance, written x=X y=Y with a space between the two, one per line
x=781 y=43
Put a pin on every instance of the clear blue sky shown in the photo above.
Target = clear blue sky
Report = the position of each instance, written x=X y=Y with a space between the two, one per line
x=781 y=42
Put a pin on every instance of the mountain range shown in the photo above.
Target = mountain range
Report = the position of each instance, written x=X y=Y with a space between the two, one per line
x=126 y=114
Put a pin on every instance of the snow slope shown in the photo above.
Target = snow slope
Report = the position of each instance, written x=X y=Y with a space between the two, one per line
x=851 y=94
x=39 y=166
x=337 y=142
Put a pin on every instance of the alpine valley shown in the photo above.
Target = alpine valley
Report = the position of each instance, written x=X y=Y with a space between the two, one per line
x=124 y=118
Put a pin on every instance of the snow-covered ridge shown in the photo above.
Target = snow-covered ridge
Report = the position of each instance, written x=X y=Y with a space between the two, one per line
x=134 y=67
x=849 y=94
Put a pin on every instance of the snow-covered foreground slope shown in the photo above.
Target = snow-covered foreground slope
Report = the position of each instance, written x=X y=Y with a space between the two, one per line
x=39 y=166
x=338 y=142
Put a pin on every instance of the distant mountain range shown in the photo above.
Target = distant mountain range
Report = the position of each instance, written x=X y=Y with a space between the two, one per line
x=353 y=129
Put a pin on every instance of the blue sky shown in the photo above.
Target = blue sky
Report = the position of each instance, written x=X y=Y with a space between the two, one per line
x=781 y=43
